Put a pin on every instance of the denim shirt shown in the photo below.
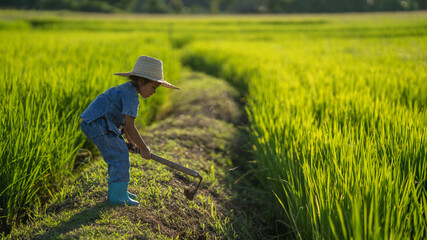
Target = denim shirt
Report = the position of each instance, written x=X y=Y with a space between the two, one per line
x=114 y=104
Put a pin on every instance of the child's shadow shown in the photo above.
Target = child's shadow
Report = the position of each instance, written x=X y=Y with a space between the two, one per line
x=79 y=220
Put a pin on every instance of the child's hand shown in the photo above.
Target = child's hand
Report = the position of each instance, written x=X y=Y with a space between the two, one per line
x=132 y=148
x=146 y=153
x=133 y=144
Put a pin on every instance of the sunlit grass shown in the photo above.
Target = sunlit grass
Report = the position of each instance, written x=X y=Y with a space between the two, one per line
x=338 y=126
x=48 y=79
x=336 y=106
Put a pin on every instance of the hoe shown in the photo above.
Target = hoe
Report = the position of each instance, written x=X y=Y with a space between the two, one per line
x=189 y=193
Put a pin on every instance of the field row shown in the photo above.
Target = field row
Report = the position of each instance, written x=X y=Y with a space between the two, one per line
x=46 y=83
x=338 y=128
x=337 y=107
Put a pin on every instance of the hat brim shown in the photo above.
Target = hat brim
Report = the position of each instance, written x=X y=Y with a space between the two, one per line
x=162 y=82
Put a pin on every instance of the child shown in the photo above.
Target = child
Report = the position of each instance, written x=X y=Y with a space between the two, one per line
x=117 y=108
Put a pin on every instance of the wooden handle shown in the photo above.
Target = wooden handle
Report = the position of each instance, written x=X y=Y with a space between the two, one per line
x=174 y=165
x=167 y=162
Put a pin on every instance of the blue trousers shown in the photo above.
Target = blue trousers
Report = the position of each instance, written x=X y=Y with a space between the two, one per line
x=113 y=148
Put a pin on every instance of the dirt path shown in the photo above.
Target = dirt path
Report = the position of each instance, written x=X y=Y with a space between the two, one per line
x=199 y=128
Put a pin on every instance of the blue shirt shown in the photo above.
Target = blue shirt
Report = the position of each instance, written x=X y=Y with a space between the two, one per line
x=114 y=104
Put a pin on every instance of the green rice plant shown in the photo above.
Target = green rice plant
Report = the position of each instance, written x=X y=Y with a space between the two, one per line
x=336 y=106
x=337 y=125
x=48 y=79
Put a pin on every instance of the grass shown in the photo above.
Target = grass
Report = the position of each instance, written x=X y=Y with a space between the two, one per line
x=336 y=107
x=45 y=87
x=337 y=123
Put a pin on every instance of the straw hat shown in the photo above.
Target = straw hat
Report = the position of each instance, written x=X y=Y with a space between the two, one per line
x=150 y=68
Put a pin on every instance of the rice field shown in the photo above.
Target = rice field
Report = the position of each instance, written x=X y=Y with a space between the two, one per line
x=336 y=106
x=338 y=123
x=47 y=80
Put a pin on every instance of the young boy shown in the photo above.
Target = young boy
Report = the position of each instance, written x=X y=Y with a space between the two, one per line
x=117 y=108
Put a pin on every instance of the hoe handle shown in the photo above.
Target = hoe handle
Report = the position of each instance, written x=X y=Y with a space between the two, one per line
x=174 y=165
x=167 y=162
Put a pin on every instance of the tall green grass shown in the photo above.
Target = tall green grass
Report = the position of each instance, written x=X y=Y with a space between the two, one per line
x=338 y=124
x=48 y=78
x=336 y=105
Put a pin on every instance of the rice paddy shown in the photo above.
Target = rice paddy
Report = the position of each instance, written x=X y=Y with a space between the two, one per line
x=336 y=105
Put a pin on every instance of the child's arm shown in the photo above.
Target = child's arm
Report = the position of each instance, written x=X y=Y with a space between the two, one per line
x=134 y=135
x=130 y=140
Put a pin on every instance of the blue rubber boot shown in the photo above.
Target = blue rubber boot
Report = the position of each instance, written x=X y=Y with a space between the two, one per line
x=131 y=195
x=118 y=194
